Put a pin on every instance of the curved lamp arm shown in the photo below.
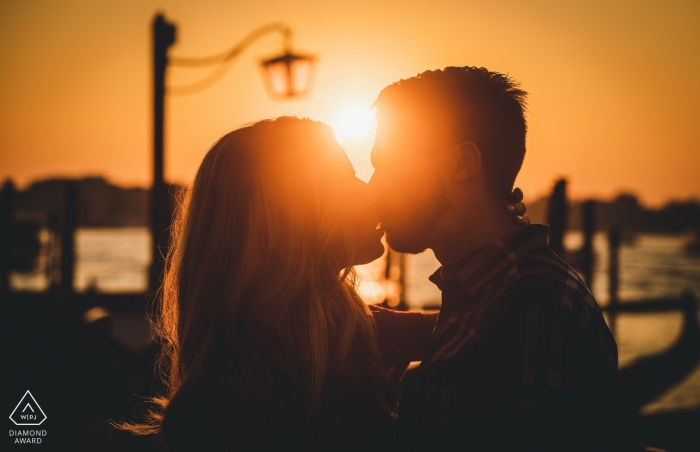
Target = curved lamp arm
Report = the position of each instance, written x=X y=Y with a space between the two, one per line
x=225 y=57
x=236 y=50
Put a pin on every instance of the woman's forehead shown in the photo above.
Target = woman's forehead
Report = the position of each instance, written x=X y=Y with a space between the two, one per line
x=332 y=155
x=305 y=156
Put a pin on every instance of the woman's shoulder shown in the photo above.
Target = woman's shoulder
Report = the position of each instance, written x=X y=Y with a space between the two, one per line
x=251 y=379
x=242 y=401
x=351 y=416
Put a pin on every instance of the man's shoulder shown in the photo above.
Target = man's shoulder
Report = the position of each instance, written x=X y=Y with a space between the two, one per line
x=545 y=283
x=548 y=289
x=543 y=261
x=542 y=275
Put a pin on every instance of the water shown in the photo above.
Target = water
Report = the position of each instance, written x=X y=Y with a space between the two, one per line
x=109 y=260
x=652 y=266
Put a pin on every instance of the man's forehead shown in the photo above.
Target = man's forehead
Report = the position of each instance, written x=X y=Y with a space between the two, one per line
x=386 y=137
x=402 y=136
x=392 y=131
x=387 y=144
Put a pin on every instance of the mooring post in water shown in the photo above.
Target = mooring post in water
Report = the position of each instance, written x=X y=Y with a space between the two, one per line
x=691 y=330
x=387 y=275
x=70 y=221
x=402 y=306
x=558 y=211
x=614 y=241
x=587 y=255
x=387 y=266
x=8 y=198
x=53 y=265
x=394 y=277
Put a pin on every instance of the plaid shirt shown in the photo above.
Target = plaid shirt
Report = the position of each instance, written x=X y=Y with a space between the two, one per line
x=521 y=353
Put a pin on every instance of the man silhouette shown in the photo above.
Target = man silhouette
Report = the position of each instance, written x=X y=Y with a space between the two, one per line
x=521 y=357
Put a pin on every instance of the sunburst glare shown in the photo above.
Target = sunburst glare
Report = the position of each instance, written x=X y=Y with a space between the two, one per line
x=354 y=122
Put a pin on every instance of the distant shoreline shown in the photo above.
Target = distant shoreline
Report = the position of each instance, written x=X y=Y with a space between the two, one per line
x=103 y=204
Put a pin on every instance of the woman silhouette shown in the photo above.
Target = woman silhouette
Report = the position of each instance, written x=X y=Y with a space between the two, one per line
x=266 y=345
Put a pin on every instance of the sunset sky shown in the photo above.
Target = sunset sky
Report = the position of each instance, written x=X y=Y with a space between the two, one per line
x=614 y=103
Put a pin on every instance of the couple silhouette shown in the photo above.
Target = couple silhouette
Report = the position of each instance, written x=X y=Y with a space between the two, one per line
x=266 y=344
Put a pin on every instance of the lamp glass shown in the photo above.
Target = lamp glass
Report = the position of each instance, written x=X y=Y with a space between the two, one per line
x=288 y=75
x=301 y=74
x=278 y=78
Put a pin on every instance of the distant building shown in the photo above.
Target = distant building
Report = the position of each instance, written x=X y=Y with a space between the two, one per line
x=101 y=204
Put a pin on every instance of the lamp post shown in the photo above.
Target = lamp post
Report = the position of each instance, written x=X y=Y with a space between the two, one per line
x=287 y=76
x=161 y=210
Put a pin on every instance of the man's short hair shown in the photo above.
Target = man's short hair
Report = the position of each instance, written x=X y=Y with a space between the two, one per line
x=467 y=104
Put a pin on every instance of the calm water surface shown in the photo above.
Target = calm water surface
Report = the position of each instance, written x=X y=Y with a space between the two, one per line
x=652 y=266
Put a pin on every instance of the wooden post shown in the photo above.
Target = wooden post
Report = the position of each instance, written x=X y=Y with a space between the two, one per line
x=387 y=278
x=392 y=258
x=614 y=241
x=70 y=223
x=402 y=306
x=558 y=210
x=8 y=199
x=587 y=253
x=53 y=269
x=387 y=266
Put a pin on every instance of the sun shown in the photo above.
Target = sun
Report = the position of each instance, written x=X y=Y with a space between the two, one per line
x=354 y=122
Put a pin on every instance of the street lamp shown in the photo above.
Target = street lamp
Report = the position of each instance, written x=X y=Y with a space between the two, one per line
x=286 y=76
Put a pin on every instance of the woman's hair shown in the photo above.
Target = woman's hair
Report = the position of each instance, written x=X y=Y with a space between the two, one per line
x=261 y=257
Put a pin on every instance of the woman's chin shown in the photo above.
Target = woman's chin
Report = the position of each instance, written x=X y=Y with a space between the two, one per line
x=370 y=253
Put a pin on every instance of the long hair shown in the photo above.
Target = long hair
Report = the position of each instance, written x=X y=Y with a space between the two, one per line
x=261 y=255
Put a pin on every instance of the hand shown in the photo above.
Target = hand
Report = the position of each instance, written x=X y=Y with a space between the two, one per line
x=516 y=208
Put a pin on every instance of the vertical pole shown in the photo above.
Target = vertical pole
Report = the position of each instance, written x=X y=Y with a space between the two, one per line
x=70 y=221
x=7 y=209
x=53 y=270
x=587 y=255
x=558 y=210
x=402 y=306
x=395 y=280
x=387 y=274
x=614 y=240
x=163 y=38
x=691 y=327
x=387 y=266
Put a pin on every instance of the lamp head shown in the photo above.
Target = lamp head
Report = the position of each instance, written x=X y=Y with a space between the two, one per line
x=288 y=75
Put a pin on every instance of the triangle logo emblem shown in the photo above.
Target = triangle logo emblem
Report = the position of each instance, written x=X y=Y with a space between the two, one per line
x=28 y=411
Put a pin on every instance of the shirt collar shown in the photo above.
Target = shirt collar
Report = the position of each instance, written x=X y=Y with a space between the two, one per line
x=477 y=268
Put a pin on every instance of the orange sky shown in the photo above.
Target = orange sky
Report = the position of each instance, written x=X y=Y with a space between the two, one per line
x=614 y=104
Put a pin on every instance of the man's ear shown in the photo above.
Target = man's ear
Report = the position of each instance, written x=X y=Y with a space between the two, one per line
x=468 y=161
